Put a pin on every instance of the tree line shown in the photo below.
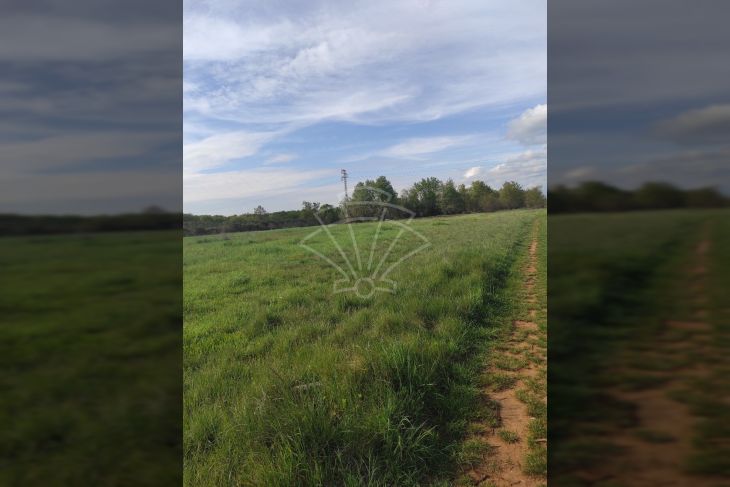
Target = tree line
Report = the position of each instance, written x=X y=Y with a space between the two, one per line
x=600 y=197
x=11 y=224
x=427 y=197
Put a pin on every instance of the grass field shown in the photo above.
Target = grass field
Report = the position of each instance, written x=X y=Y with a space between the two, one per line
x=287 y=383
x=639 y=341
x=89 y=347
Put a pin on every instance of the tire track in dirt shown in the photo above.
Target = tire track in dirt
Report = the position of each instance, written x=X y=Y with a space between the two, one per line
x=503 y=463
x=658 y=444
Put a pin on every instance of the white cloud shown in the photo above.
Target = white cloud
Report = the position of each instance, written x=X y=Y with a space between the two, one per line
x=529 y=168
x=217 y=150
x=280 y=159
x=416 y=147
x=530 y=128
x=706 y=125
x=472 y=171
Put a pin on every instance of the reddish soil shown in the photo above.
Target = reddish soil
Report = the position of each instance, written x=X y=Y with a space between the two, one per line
x=502 y=466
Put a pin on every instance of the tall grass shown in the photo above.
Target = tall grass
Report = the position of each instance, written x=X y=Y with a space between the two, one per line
x=287 y=383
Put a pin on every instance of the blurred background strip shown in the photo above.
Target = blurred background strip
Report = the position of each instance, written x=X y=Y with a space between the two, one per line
x=639 y=249
x=90 y=243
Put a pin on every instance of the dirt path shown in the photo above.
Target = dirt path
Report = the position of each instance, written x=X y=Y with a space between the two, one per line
x=518 y=363
x=659 y=442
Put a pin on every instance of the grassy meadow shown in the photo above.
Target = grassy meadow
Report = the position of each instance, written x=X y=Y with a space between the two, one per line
x=89 y=345
x=640 y=325
x=288 y=383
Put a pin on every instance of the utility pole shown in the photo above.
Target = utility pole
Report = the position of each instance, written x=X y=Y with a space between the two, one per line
x=347 y=197
x=344 y=179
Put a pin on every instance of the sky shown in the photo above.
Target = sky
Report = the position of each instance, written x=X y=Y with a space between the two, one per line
x=639 y=92
x=279 y=96
x=90 y=112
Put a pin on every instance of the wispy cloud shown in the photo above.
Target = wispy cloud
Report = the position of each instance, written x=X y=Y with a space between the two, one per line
x=216 y=150
x=280 y=159
x=368 y=61
x=416 y=147
x=472 y=171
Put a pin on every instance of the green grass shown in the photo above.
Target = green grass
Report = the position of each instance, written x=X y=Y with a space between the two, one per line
x=500 y=381
x=510 y=363
x=286 y=383
x=90 y=348
x=509 y=436
x=615 y=279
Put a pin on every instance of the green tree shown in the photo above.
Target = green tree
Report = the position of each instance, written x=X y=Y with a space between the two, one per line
x=704 y=198
x=659 y=195
x=481 y=197
x=598 y=196
x=329 y=214
x=361 y=195
x=451 y=201
x=511 y=195
x=427 y=193
x=388 y=194
x=490 y=201
x=376 y=191
x=464 y=194
x=409 y=199
x=310 y=207
x=361 y=192
x=534 y=198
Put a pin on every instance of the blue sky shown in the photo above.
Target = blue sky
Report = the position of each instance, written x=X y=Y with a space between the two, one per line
x=279 y=96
